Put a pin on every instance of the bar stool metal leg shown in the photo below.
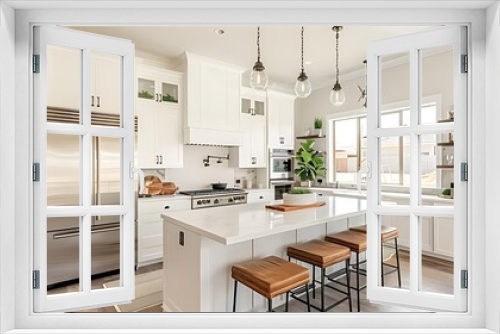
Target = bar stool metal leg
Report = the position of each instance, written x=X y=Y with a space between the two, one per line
x=357 y=280
x=382 y=263
x=322 y=289
x=397 y=261
x=235 y=292
x=269 y=305
x=348 y=277
x=307 y=296
x=314 y=281
x=286 y=301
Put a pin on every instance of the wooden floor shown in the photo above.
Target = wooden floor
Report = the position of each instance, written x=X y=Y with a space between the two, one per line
x=437 y=276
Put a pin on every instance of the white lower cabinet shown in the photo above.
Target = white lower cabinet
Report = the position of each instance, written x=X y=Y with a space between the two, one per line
x=150 y=227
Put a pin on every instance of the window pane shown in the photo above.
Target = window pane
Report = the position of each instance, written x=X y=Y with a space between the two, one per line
x=63 y=170
x=63 y=84
x=394 y=85
x=105 y=254
x=389 y=255
x=170 y=92
x=363 y=144
x=437 y=78
x=146 y=89
x=346 y=150
x=437 y=162
x=106 y=171
x=63 y=257
x=437 y=271
x=395 y=160
x=105 y=89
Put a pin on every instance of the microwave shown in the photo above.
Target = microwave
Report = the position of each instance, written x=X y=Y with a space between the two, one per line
x=281 y=164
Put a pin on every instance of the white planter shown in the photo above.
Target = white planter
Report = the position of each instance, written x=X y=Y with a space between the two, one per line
x=318 y=132
x=299 y=199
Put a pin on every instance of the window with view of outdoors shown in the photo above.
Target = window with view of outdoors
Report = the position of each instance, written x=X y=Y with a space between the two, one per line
x=349 y=146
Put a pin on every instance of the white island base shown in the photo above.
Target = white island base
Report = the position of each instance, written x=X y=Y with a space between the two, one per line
x=202 y=245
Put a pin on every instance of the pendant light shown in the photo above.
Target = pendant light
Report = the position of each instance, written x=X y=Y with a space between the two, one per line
x=337 y=95
x=303 y=85
x=258 y=78
x=362 y=97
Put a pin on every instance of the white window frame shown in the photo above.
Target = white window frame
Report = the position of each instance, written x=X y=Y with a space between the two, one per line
x=361 y=112
x=476 y=320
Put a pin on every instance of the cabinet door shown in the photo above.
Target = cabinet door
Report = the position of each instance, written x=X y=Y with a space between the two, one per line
x=168 y=137
x=63 y=80
x=273 y=106
x=213 y=97
x=146 y=91
x=286 y=115
x=233 y=101
x=245 y=151
x=258 y=156
x=107 y=83
x=170 y=93
x=146 y=154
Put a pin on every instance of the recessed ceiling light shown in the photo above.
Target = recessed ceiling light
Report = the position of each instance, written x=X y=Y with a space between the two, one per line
x=219 y=31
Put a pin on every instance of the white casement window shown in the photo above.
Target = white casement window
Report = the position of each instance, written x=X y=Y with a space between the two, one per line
x=63 y=152
x=348 y=147
x=414 y=134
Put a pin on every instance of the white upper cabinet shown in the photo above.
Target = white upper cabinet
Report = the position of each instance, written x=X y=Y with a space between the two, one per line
x=159 y=111
x=281 y=110
x=212 y=102
x=252 y=152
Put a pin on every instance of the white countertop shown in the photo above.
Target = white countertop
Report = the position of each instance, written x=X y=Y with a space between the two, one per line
x=164 y=197
x=233 y=224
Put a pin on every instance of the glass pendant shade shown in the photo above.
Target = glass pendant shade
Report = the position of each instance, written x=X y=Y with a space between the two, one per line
x=337 y=95
x=258 y=78
x=303 y=86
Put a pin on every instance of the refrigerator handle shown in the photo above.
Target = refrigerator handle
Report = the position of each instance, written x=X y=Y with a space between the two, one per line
x=133 y=170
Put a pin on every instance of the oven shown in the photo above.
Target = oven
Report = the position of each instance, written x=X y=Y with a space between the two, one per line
x=281 y=164
x=281 y=187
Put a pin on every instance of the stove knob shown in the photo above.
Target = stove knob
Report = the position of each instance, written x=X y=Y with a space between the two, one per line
x=216 y=201
x=204 y=201
x=199 y=202
x=208 y=201
x=230 y=200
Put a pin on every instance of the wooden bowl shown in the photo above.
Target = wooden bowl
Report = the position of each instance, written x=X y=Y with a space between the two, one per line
x=152 y=185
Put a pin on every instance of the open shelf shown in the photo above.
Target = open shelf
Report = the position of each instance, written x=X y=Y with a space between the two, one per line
x=310 y=137
x=445 y=166
x=449 y=120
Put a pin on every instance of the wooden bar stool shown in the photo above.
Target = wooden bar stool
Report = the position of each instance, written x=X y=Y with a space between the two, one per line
x=270 y=277
x=356 y=242
x=387 y=233
x=322 y=254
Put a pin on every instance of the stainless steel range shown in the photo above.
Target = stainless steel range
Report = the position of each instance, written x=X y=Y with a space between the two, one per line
x=206 y=198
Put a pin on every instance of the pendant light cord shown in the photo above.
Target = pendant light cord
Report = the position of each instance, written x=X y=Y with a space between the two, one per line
x=302 y=55
x=337 y=55
x=258 y=44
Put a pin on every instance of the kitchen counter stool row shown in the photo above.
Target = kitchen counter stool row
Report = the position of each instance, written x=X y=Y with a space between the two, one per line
x=272 y=276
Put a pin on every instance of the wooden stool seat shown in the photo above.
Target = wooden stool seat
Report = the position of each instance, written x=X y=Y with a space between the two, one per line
x=270 y=276
x=387 y=232
x=354 y=240
x=320 y=253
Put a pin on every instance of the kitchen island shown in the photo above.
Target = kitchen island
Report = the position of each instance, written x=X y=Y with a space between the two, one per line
x=200 y=247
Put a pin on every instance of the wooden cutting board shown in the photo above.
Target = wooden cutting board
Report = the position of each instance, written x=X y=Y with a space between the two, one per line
x=286 y=208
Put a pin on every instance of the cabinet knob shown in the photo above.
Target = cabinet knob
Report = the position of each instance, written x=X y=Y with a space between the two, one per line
x=167 y=207
x=261 y=197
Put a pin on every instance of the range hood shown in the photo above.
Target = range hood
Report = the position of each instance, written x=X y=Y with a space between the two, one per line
x=198 y=136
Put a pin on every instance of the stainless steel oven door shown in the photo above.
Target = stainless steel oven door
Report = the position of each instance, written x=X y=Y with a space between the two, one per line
x=281 y=168
x=281 y=187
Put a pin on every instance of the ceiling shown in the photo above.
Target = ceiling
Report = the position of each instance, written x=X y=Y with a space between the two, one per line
x=280 y=46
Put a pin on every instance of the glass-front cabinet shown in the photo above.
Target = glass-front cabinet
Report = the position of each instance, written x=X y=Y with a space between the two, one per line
x=159 y=87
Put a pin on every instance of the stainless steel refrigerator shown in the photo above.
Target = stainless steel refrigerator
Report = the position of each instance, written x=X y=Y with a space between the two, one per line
x=63 y=189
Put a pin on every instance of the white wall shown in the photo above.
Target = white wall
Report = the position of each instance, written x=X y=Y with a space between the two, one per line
x=7 y=170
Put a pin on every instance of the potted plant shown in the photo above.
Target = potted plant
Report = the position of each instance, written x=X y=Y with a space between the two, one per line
x=309 y=163
x=298 y=197
x=318 y=126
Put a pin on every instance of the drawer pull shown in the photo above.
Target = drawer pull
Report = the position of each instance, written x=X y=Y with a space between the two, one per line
x=167 y=207
x=261 y=197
